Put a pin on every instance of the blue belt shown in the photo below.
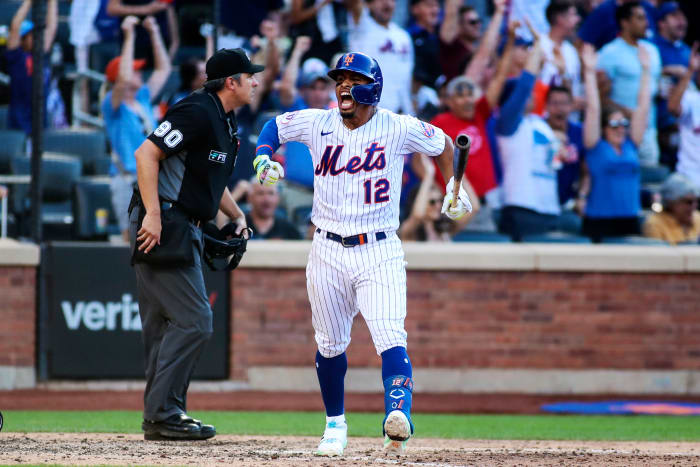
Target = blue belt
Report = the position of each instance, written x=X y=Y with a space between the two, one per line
x=354 y=240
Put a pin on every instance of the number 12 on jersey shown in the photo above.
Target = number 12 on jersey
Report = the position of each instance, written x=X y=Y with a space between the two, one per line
x=381 y=191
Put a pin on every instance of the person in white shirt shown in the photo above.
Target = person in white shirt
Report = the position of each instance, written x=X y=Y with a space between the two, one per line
x=372 y=32
x=562 y=66
x=684 y=102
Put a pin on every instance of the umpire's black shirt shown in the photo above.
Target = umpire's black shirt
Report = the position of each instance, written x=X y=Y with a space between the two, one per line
x=200 y=143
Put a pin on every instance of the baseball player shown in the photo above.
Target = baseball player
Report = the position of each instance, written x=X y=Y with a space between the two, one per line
x=356 y=263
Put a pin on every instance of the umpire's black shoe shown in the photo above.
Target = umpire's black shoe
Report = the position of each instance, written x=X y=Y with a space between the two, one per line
x=176 y=427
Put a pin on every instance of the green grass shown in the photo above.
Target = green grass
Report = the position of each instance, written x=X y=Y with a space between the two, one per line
x=561 y=427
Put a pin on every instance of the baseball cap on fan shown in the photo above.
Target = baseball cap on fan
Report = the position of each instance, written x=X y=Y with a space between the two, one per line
x=229 y=62
x=313 y=69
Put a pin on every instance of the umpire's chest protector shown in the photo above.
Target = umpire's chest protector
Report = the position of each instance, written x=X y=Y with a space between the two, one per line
x=211 y=160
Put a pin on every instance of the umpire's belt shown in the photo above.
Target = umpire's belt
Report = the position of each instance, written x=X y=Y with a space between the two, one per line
x=166 y=204
x=354 y=240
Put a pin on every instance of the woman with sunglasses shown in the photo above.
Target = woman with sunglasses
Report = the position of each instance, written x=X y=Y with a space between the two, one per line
x=612 y=141
x=425 y=221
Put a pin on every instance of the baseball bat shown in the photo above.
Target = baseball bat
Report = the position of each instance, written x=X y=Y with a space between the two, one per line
x=463 y=142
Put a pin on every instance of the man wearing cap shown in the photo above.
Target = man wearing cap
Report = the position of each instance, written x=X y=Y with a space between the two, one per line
x=302 y=87
x=183 y=168
x=20 y=65
x=679 y=222
x=127 y=110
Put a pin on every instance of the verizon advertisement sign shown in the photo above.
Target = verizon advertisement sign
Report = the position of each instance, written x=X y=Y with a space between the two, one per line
x=91 y=315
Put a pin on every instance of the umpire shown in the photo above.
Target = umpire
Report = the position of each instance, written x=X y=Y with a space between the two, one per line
x=182 y=170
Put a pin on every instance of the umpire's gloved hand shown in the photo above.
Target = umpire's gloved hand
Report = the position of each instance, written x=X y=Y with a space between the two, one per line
x=463 y=204
x=268 y=171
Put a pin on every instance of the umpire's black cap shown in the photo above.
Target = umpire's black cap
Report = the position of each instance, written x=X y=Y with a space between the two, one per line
x=229 y=62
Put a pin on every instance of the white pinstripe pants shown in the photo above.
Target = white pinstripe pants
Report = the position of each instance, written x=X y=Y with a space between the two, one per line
x=370 y=279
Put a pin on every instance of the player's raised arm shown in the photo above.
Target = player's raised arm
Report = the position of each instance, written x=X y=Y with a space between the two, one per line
x=268 y=171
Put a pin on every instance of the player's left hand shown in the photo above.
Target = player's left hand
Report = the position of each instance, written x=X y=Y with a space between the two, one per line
x=268 y=171
x=463 y=204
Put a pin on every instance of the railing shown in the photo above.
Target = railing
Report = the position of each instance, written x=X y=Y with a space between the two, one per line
x=80 y=116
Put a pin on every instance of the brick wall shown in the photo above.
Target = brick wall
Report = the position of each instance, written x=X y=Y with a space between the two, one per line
x=17 y=316
x=527 y=320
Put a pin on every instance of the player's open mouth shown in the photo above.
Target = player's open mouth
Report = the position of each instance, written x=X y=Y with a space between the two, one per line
x=346 y=102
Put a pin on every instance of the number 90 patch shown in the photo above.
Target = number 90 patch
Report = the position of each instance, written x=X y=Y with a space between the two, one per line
x=170 y=138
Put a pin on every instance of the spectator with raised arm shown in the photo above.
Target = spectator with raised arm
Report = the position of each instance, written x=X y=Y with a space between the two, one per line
x=611 y=143
x=530 y=156
x=679 y=222
x=371 y=31
x=425 y=221
x=478 y=65
x=316 y=19
x=426 y=44
x=601 y=26
x=20 y=66
x=562 y=65
x=684 y=102
x=127 y=109
x=162 y=11
x=620 y=74
x=469 y=110
x=459 y=33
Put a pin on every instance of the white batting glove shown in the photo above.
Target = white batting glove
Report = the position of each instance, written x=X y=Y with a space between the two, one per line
x=463 y=204
x=268 y=171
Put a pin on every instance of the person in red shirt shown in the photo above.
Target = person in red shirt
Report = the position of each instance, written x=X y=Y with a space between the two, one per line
x=469 y=110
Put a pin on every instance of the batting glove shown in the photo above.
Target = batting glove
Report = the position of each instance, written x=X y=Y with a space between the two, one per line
x=268 y=171
x=463 y=204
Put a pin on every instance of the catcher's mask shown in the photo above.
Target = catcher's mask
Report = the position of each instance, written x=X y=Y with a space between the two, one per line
x=220 y=244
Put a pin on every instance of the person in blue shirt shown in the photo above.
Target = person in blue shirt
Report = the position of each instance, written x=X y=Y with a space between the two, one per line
x=127 y=110
x=20 y=65
x=611 y=143
x=601 y=27
x=672 y=26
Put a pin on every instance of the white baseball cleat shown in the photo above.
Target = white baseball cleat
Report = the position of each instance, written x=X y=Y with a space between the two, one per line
x=396 y=426
x=335 y=439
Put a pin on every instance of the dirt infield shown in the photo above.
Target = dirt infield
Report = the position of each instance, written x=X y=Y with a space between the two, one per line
x=114 y=449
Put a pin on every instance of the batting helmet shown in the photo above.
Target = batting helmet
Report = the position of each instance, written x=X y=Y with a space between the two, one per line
x=366 y=66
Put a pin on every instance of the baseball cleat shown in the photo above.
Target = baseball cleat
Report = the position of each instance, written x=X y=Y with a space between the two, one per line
x=394 y=447
x=396 y=426
x=334 y=440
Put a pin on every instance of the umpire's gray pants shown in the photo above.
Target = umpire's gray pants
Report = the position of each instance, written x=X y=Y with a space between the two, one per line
x=176 y=322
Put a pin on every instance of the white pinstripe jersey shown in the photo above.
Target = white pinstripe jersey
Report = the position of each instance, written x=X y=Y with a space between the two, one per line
x=358 y=173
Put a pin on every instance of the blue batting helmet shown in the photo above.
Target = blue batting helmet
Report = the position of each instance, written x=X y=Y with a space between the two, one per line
x=366 y=66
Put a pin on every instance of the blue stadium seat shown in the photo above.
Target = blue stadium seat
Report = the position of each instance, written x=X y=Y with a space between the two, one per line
x=556 y=237
x=89 y=145
x=3 y=116
x=59 y=174
x=88 y=197
x=12 y=144
x=476 y=236
x=633 y=240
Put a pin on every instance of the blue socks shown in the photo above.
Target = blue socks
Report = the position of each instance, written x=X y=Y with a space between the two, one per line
x=397 y=375
x=331 y=378
x=395 y=362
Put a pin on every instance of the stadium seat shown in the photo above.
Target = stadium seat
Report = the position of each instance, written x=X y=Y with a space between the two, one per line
x=633 y=240
x=59 y=172
x=476 y=236
x=654 y=174
x=556 y=237
x=89 y=145
x=3 y=116
x=13 y=144
x=89 y=196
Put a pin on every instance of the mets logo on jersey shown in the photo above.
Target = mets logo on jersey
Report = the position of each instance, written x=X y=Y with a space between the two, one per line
x=348 y=59
x=288 y=117
x=428 y=129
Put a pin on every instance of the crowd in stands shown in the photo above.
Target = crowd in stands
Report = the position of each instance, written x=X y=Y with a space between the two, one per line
x=584 y=115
